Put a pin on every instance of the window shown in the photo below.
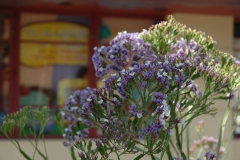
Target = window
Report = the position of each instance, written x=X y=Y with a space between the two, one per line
x=53 y=60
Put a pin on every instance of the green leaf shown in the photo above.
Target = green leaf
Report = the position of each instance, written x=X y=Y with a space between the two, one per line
x=206 y=95
x=100 y=110
x=183 y=156
x=89 y=146
x=165 y=145
x=210 y=46
x=195 y=76
x=79 y=145
x=139 y=156
x=134 y=123
x=101 y=151
x=153 y=158
x=130 y=145
x=224 y=60
x=24 y=154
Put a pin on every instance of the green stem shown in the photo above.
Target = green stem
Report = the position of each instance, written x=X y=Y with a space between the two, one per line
x=117 y=155
x=166 y=146
x=21 y=151
x=141 y=144
x=187 y=138
x=169 y=154
x=222 y=128
x=200 y=152
x=177 y=138
x=39 y=152
x=187 y=132
x=24 y=154
x=142 y=96
x=12 y=142
x=36 y=139
x=179 y=142
x=45 y=148
x=174 y=148
x=72 y=153
x=140 y=149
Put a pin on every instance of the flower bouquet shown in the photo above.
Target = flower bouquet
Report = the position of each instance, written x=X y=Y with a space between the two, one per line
x=150 y=94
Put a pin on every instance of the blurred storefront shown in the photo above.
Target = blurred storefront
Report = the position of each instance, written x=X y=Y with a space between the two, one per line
x=46 y=48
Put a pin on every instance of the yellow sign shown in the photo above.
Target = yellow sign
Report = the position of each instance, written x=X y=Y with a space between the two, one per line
x=39 y=54
x=55 y=31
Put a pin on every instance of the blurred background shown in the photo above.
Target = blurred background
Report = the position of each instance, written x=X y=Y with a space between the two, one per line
x=46 y=48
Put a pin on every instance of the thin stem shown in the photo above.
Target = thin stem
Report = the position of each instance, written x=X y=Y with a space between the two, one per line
x=39 y=152
x=141 y=95
x=12 y=141
x=21 y=151
x=141 y=143
x=72 y=153
x=166 y=147
x=117 y=155
x=140 y=149
x=169 y=154
x=45 y=148
x=36 y=141
x=174 y=148
x=200 y=152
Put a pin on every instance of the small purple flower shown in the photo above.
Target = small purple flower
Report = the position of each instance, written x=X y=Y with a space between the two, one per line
x=166 y=67
x=85 y=132
x=159 y=109
x=210 y=156
x=197 y=60
x=182 y=43
x=194 y=87
x=98 y=143
x=179 y=78
x=100 y=73
x=65 y=144
x=177 y=158
x=144 y=84
x=177 y=107
x=70 y=101
x=199 y=93
x=104 y=140
x=160 y=95
x=192 y=45
x=237 y=62
x=76 y=96
x=88 y=123
x=178 y=120
x=133 y=110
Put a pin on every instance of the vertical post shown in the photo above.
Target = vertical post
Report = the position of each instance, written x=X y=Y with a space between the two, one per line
x=14 y=61
x=94 y=22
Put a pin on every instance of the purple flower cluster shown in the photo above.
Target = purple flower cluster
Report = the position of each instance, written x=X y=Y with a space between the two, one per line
x=118 y=130
x=153 y=129
x=154 y=71
x=76 y=111
x=164 y=84
x=133 y=110
x=124 y=49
